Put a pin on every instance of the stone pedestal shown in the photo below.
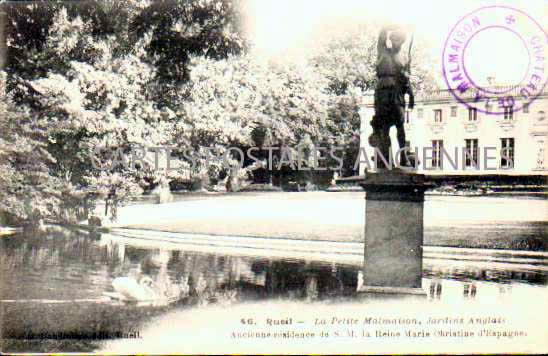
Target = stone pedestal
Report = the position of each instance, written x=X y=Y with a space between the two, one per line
x=393 y=232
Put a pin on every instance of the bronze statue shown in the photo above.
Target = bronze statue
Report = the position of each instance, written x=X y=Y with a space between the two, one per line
x=392 y=85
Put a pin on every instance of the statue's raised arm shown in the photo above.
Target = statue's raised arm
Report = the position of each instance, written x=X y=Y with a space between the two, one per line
x=382 y=48
x=381 y=43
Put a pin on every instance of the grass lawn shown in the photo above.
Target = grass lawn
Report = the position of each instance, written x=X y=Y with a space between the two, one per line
x=494 y=222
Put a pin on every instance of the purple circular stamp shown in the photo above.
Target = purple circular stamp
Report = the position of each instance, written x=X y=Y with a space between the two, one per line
x=496 y=40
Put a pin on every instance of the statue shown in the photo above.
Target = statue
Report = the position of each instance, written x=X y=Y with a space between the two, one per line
x=392 y=85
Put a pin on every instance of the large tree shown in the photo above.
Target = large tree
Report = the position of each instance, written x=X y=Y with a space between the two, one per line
x=242 y=102
x=181 y=29
x=79 y=92
x=28 y=191
x=99 y=73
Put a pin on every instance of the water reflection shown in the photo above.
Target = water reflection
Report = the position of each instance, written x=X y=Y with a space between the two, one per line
x=469 y=290
x=435 y=289
x=75 y=265
x=61 y=281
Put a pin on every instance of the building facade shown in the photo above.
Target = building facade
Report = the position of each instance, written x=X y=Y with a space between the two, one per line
x=452 y=138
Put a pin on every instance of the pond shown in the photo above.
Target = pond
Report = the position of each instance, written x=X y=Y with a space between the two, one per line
x=54 y=284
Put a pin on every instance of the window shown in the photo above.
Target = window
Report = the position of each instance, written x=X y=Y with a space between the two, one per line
x=508 y=112
x=472 y=114
x=437 y=115
x=507 y=152
x=419 y=113
x=471 y=153
x=453 y=111
x=526 y=108
x=437 y=146
x=407 y=116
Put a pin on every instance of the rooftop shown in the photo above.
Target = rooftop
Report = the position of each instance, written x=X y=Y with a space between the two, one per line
x=445 y=95
x=471 y=92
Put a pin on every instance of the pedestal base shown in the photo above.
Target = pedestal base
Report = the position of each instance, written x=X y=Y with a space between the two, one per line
x=373 y=292
x=393 y=231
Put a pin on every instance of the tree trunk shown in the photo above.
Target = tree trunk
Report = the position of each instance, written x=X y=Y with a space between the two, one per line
x=233 y=182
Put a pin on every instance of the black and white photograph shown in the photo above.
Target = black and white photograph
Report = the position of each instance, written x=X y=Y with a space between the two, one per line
x=273 y=177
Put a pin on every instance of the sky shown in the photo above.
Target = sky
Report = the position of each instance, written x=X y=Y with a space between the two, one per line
x=283 y=26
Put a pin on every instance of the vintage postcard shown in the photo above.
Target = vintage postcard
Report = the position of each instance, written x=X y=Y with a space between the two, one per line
x=273 y=177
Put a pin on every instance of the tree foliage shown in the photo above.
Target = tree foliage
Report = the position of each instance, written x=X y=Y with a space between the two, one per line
x=78 y=93
x=348 y=58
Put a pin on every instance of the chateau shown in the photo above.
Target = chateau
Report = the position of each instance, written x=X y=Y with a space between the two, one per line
x=455 y=139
